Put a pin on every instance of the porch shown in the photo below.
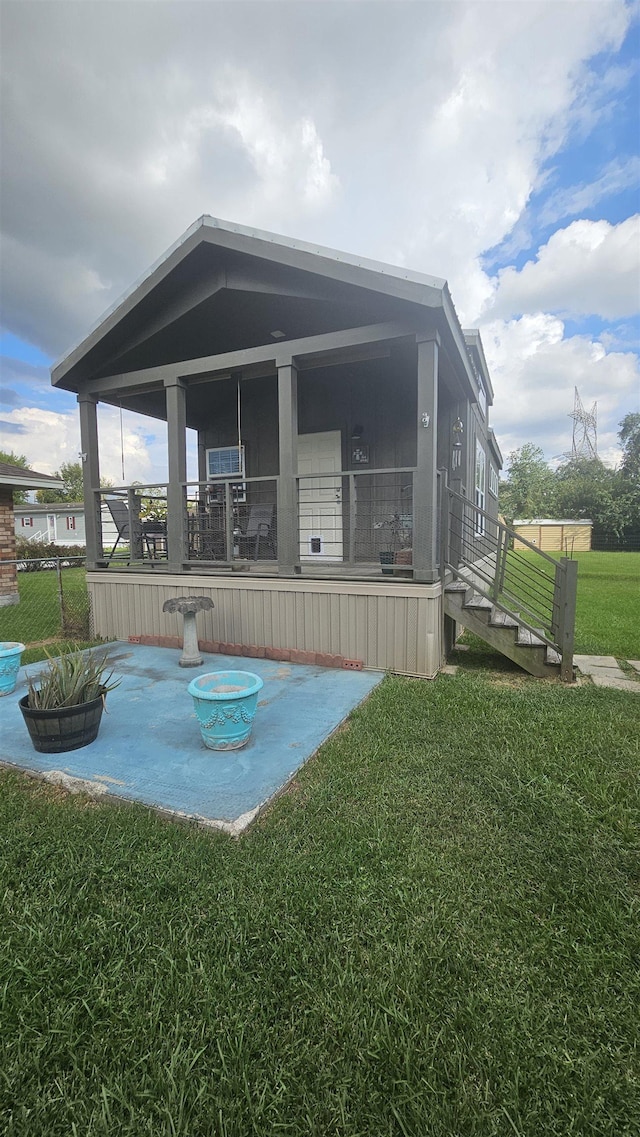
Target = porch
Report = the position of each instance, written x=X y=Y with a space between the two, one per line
x=346 y=524
x=327 y=392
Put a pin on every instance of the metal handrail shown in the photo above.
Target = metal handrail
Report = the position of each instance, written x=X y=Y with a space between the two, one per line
x=517 y=588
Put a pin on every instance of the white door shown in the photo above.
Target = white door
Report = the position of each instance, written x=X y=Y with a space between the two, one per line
x=51 y=526
x=320 y=498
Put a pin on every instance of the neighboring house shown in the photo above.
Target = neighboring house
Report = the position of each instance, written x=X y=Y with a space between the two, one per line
x=59 y=523
x=56 y=523
x=553 y=535
x=335 y=399
x=15 y=478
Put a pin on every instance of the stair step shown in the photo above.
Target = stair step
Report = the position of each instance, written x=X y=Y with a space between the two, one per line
x=478 y=601
x=456 y=586
x=503 y=620
x=527 y=639
x=553 y=657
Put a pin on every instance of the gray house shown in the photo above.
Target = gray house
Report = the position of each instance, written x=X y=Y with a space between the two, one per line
x=57 y=523
x=60 y=523
x=338 y=405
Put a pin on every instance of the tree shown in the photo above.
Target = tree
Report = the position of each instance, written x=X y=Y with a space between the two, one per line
x=587 y=488
x=153 y=504
x=73 y=487
x=529 y=490
x=71 y=475
x=629 y=435
x=19 y=496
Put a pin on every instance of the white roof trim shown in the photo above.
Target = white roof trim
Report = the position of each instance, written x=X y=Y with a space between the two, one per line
x=32 y=482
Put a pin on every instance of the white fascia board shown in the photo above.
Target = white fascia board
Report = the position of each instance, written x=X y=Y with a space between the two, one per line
x=32 y=482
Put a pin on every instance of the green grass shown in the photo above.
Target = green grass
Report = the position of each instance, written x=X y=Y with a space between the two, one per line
x=433 y=934
x=608 y=604
x=37 y=619
x=608 y=612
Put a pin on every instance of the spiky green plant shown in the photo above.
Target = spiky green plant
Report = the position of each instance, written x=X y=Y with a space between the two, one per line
x=70 y=680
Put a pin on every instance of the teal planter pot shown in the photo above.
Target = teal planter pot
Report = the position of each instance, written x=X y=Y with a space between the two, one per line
x=225 y=703
x=10 y=656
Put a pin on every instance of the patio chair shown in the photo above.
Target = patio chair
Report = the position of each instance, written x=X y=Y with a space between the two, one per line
x=259 y=526
x=153 y=533
x=119 y=511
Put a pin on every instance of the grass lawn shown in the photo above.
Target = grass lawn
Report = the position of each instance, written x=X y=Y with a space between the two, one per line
x=608 y=607
x=433 y=934
x=37 y=619
x=608 y=613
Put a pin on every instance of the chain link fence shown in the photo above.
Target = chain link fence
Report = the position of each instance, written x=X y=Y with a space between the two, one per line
x=54 y=611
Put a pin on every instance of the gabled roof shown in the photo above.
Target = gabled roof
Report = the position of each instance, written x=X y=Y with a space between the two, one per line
x=364 y=277
x=276 y=248
x=19 y=478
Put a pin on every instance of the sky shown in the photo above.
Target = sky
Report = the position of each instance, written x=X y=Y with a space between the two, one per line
x=494 y=144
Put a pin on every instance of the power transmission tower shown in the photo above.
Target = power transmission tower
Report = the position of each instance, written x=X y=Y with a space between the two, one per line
x=585 y=430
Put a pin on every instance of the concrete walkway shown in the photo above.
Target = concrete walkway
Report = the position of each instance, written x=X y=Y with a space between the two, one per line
x=604 y=671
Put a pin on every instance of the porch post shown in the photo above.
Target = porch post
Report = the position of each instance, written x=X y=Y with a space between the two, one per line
x=288 y=530
x=176 y=394
x=425 y=489
x=90 y=477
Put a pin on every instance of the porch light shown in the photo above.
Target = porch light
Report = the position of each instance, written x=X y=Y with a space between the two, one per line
x=458 y=431
x=426 y=419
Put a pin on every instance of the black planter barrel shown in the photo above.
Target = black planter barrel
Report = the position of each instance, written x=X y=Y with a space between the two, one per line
x=65 y=728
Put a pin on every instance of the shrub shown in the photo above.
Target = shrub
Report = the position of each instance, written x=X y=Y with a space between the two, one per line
x=45 y=552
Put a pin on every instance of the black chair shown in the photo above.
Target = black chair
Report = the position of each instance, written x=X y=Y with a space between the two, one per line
x=119 y=511
x=152 y=533
x=259 y=528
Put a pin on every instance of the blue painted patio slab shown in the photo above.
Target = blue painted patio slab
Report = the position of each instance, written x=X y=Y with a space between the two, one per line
x=149 y=747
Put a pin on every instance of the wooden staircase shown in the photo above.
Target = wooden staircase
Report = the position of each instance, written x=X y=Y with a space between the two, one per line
x=506 y=590
x=500 y=629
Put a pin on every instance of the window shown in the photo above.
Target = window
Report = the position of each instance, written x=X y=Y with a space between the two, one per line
x=493 y=481
x=71 y=522
x=481 y=473
x=27 y=522
x=225 y=460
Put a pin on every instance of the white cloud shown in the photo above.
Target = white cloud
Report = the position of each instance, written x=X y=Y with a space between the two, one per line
x=589 y=268
x=618 y=175
x=413 y=133
x=535 y=369
x=50 y=438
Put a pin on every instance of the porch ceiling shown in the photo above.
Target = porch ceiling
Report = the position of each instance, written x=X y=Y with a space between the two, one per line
x=218 y=300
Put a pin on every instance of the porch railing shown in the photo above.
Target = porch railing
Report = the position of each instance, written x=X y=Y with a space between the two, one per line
x=132 y=523
x=524 y=583
x=359 y=517
x=228 y=520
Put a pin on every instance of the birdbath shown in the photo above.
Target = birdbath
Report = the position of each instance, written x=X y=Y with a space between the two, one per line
x=188 y=606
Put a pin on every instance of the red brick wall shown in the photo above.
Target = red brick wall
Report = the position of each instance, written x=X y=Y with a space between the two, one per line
x=8 y=578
